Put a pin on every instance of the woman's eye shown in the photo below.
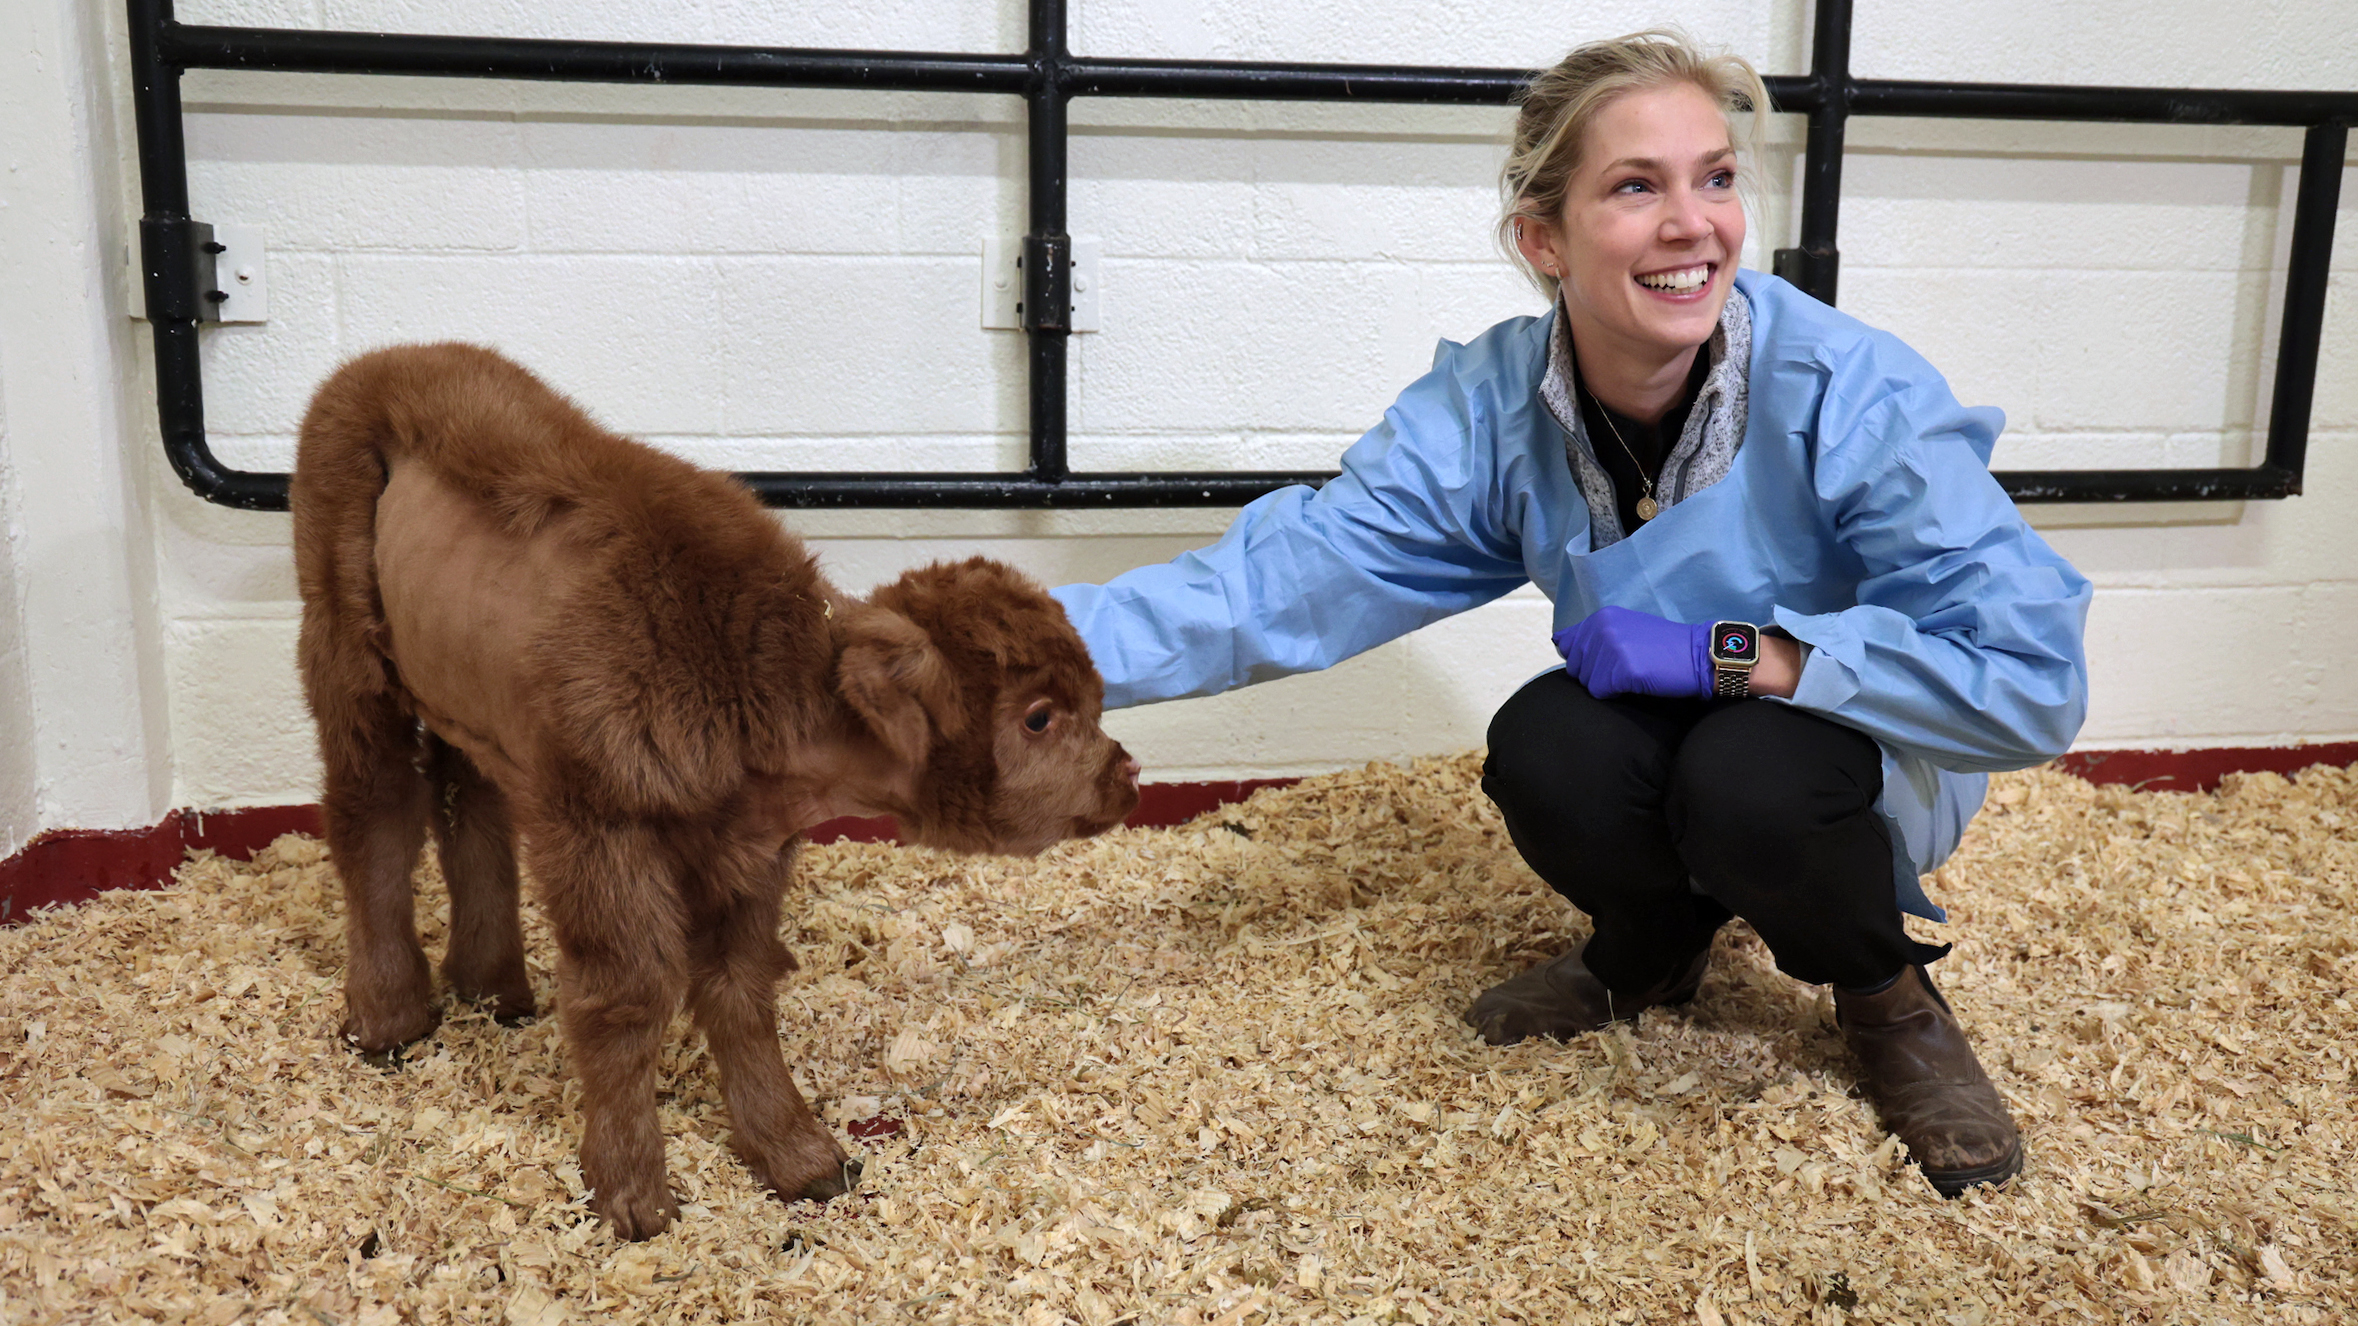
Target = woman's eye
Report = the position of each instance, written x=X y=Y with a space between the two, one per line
x=1038 y=719
x=1723 y=179
x=1629 y=186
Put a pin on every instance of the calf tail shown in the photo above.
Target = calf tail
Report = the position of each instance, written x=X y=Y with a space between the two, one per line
x=349 y=440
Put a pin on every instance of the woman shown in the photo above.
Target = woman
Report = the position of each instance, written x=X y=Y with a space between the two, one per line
x=1800 y=621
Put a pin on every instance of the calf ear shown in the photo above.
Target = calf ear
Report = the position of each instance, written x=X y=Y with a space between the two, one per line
x=897 y=682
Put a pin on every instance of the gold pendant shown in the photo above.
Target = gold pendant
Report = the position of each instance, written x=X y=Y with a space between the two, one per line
x=1646 y=509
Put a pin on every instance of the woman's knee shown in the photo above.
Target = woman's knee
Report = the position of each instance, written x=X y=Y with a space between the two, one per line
x=1757 y=773
x=1553 y=744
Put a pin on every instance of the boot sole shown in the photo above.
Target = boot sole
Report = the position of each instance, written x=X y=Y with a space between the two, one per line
x=1952 y=1183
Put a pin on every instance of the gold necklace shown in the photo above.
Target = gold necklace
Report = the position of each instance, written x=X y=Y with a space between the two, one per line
x=1647 y=508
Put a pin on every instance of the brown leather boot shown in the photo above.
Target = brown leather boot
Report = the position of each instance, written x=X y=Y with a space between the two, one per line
x=1563 y=998
x=1925 y=1082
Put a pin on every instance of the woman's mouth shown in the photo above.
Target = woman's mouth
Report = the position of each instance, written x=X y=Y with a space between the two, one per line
x=1679 y=281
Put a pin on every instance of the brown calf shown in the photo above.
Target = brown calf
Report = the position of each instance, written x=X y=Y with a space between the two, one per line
x=516 y=624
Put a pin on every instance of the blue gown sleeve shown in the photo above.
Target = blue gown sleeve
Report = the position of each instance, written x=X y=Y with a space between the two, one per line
x=1409 y=533
x=1965 y=646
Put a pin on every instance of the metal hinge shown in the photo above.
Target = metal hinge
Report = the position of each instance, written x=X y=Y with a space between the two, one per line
x=231 y=282
x=1006 y=284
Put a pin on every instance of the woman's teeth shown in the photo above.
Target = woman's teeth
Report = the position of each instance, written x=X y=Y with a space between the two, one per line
x=1677 y=283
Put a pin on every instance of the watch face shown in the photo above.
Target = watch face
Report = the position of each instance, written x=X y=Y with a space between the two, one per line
x=1735 y=642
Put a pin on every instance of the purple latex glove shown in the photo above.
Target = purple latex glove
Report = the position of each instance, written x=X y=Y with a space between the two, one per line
x=1621 y=651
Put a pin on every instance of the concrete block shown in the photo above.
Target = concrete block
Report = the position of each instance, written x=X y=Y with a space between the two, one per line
x=1217 y=345
x=629 y=338
x=2325 y=642
x=254 y=13
x=217 y=562
x=240 y=733
x=1463 y=668
x=1945 y=210
x=2295 y=541
x=961 y=182
x=672 y=188
x=2138 y=350
x=586 y=20
x=875 y=347
x=795 y=452
x=1389 y=31
x=1460 y=301
x=2133 y=450
x=2336 y=404
x=2273 y=44
x=348 y=182
x=2205 y=665
x=1971 y=325
x=259 y=376
x=1211 y=451
x=1163 y=199
x=930 y=25
x=1314 y=723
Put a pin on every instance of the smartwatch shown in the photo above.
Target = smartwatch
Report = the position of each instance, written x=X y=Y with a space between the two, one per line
x=1735 y=648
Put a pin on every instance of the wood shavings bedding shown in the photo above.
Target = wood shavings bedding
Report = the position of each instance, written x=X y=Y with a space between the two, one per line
x=1214 y=1074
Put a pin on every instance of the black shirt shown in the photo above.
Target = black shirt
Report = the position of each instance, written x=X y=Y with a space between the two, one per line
x=1648 y=445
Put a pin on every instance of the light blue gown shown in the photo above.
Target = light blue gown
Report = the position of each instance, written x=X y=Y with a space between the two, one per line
x=1860 y=515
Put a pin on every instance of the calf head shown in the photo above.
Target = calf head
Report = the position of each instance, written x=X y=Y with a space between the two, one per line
x=971 y=673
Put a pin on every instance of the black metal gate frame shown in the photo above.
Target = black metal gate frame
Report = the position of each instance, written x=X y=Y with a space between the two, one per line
x=1047 y=76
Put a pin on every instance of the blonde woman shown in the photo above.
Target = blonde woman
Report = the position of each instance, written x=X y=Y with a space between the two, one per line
x=1800 y=621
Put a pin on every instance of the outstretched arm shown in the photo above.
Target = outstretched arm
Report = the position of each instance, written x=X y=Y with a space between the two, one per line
x=1410 y=532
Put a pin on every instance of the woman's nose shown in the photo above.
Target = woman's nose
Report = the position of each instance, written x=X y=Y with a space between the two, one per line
x=1683 y=217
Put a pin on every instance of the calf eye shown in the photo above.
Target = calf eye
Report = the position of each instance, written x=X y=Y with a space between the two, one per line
x=1039 y=716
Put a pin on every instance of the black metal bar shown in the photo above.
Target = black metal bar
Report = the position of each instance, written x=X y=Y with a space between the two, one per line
x=168 y=255
x=1816 y=264
x=1047 y=247
x=1220 y=488
x=2261 y=482
x=2315 y=203
x=302 y=51
x=2124 y=105
x=1047 y=76
x=1237 y=80
x=2306 y=269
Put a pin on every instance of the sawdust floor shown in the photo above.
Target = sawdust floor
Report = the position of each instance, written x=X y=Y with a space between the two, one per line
x=1215 y=1074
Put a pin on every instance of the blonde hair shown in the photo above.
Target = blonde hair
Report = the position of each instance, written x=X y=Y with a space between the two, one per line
x=1560 y=103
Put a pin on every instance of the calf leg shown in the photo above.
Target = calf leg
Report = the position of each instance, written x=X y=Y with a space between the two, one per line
x=477 y=842
x=612 y=898
x=733 y=990
x=374 y=804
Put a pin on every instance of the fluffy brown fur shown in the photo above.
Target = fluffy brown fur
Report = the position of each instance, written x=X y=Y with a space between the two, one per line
x=516 y=624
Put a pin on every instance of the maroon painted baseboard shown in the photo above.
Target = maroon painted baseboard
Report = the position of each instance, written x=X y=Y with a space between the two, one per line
x=2200 y=770
x=75 y=865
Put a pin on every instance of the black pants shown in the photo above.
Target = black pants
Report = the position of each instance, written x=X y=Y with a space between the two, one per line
x=1663 y=818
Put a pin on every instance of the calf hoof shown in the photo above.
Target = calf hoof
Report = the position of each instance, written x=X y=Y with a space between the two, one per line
x=507 y=999
x=508 y=1010
x=841 y=1180
x=635 y=1212
x=380 y=1038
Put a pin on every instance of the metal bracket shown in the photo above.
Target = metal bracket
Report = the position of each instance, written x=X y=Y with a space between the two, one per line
x=230 y=281
x=1004 y=293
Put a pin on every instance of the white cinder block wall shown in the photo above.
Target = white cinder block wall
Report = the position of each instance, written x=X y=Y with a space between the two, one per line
x=790 y=280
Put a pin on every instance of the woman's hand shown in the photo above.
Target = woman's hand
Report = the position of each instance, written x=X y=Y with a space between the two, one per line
x=1621 y=651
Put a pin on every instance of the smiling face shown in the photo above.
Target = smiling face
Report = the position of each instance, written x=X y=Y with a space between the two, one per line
x=1647 y=242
